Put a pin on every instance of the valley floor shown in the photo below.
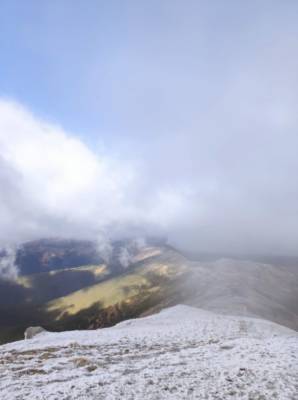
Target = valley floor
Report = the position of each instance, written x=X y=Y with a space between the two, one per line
x=180 y=353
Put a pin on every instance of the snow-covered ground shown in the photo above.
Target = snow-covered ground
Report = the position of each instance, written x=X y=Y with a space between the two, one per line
x=180 y=353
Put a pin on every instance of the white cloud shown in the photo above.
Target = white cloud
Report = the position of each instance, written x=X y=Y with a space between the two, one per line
x=229 y=185
x=8 y=268
x=52 y=184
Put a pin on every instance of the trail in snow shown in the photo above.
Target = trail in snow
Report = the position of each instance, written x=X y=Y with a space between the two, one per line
x=180 y=353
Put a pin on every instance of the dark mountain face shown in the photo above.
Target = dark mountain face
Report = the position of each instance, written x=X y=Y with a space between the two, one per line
x=35 y=260
x=53 y=268
x=54 y=254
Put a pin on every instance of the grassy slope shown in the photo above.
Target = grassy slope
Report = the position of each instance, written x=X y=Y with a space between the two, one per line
x=46 y=286
x=29 y=280
x=148 y=276
x=138 y=290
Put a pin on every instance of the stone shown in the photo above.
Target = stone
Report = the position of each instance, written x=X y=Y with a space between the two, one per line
x=33 y=331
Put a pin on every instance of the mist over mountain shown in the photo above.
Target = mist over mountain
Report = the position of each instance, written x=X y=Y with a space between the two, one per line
x=187 y=130
x=67 y=284
x=53 y=185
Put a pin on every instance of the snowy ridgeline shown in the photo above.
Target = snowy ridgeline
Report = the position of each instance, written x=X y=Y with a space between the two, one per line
x=181 y=353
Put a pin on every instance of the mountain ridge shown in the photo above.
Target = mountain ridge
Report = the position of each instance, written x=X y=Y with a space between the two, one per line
x=97 y=296
x=182 y=352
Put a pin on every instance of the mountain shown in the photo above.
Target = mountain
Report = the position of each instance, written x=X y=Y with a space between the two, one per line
x=53 y=254
x=167 y=278
x=99 y=295
x=51 y=268
x=247 y=288
x=180 y=353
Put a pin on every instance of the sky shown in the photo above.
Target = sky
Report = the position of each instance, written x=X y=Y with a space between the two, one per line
x=172 y=117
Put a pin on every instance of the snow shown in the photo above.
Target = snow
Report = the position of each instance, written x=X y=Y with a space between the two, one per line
x=180 y=353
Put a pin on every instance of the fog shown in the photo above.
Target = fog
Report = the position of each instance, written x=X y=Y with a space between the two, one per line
x=203 y=116
x=242 y=200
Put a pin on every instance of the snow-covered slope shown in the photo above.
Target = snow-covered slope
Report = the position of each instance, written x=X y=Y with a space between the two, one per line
x=246 y=288
x=180 y=353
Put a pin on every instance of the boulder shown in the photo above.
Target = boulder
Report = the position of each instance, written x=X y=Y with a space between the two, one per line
x=33 y=331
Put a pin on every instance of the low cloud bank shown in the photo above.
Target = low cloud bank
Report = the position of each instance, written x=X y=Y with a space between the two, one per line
x=221 y=191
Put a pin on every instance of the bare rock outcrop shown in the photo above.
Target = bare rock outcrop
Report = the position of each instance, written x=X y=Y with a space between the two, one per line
x=33 y=331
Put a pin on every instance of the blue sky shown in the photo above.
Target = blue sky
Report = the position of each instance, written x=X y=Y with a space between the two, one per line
x=112 y=68
x=185 y=112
